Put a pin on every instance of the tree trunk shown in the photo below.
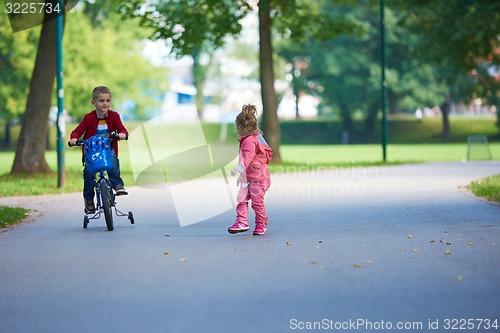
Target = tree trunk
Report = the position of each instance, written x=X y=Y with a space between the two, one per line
x=30 y=152
x=370 y=120
x=6 y=135
x=347 y=123
x=198 y=80
x=445 y=110
x=270 y=122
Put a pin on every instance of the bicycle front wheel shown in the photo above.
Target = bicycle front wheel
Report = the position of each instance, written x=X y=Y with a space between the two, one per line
x=106 y=204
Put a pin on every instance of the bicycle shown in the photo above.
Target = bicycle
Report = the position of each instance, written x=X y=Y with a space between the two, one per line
x=98 y=159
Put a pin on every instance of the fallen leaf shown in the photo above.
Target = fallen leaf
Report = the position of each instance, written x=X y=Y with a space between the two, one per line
x=449 y=243
x=320 y=241
x=433 y=241
x=368 y=262
x=357 y=266
x=313 y=262
x=166 y=253
x=410 y=236
x=470 y=244
x=233 y=249
x=288 y=243
x=167 y=235
x=448 y=251
x=442 y=241
x=414 y=250
x=183 y=259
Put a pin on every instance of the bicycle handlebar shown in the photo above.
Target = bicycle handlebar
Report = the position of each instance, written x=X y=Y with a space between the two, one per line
x=113 y=137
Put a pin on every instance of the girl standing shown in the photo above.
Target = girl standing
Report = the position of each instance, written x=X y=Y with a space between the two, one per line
x=254 y=156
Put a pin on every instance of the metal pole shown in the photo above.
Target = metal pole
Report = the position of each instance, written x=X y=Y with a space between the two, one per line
x=383 y=83
x=61 y=119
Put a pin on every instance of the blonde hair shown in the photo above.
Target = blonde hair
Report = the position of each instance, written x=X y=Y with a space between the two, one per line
x=246 y=120
x=100 y=90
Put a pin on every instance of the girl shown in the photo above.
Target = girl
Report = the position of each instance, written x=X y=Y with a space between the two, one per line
x=254 y=156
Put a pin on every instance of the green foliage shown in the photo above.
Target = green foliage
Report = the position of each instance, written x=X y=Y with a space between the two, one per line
x=460 y=39
x=401 y=130
x=488 y=188
x=109 y=54
x=187 y=25
x=425 y=66
x=17 y=58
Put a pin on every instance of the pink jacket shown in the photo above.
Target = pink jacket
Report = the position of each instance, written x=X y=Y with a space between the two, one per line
x=254 y=157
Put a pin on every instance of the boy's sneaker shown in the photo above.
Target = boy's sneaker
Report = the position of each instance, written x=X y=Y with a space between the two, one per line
x=238 y=227
x=89 y=206
x=120 y=190
x=260 y=229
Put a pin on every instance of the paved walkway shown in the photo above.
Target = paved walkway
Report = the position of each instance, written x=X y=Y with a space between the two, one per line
x=355 y=248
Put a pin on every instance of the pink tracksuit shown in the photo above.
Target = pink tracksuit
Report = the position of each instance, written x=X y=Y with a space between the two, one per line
x=254 y=157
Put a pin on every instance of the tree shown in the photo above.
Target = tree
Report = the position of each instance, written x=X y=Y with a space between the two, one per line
x=16 y=64
x=85 y=70
x=117 y=63
x=189 y=25
x=270 y=123
x=30 y=151
x=347 y=67
x=460 y=39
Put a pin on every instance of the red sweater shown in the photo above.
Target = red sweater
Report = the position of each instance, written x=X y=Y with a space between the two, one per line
x=88 y=127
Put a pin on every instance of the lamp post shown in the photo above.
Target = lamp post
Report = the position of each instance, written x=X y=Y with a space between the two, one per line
x=383 y=83
x=61 y=119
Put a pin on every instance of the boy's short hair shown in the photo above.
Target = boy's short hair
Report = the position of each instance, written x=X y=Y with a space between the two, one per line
x=100 y=90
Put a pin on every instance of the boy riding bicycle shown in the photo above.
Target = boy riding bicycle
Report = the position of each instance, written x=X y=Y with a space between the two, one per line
x=102 y=121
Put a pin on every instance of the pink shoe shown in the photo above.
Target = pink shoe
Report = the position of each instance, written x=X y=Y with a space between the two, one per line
x=238 y=227
x=260 y=229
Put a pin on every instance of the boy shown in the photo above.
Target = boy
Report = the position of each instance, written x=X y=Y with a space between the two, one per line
x=101 y=121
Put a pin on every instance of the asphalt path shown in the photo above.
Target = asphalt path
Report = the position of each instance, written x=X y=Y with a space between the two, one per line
x=360 y=249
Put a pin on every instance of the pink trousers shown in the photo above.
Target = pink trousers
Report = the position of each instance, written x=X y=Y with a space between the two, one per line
x=255 y=191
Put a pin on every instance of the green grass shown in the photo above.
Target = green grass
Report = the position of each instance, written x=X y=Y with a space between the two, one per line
x=305 y=157
x=488 y=188
x=10 y=216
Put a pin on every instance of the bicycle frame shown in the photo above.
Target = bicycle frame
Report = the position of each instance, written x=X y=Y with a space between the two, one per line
x=97 y=182
x=105 y=198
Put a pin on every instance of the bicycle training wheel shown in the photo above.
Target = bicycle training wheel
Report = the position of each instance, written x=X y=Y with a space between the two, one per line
x=106 y=204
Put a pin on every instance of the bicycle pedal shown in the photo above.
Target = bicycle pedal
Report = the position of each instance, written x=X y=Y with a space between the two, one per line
x=88 y=212
x=121 y=193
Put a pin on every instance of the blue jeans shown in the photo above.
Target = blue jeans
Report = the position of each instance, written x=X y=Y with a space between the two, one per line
x=89 y=179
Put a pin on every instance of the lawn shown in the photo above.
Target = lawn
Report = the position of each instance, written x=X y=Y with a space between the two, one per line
x=305 y=157
x=488 y=188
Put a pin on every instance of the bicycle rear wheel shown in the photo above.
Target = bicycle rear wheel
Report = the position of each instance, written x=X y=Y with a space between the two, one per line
x=106 y=204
